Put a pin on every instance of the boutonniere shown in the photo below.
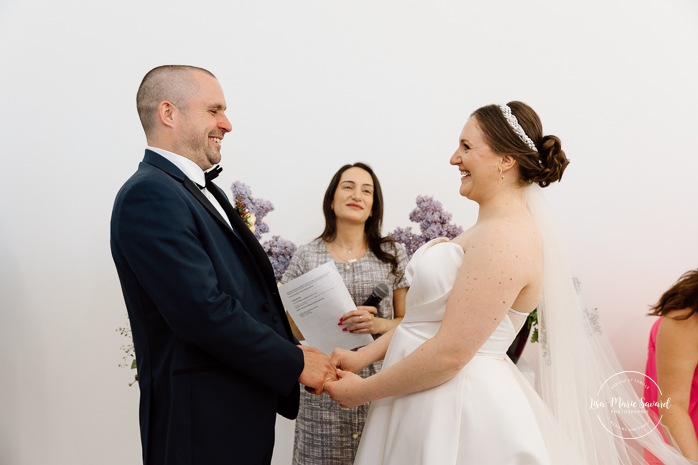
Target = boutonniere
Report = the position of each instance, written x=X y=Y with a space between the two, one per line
x=247 y=217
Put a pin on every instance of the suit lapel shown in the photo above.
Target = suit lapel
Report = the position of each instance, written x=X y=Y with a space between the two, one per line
x=196 y=192
x=253 y=245
x=239 y=229
x=162 y=163
x=264 y=269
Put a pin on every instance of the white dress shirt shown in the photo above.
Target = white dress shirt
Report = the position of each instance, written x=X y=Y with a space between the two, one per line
x=193 y=172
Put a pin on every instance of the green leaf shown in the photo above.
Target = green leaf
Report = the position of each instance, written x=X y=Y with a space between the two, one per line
x=532 y=322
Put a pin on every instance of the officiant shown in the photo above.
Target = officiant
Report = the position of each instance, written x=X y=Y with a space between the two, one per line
x=327 y=434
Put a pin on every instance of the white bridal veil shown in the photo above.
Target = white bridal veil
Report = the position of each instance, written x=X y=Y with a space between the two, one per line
x=582 y=382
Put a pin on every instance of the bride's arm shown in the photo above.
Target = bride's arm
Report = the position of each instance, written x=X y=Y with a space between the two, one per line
x=355 y=361
x=497 y=265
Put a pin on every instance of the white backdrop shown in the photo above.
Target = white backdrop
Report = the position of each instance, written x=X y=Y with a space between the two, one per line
x=311 y=85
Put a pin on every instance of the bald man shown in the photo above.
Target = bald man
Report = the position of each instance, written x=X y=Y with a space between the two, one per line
x=216 y=358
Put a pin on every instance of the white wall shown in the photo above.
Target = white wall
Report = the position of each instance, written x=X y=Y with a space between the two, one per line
x=312 y=84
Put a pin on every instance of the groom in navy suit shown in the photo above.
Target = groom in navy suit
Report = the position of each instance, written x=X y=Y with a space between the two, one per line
x=216 y=357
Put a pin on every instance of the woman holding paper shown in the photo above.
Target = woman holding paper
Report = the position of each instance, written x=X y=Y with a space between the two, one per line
x=353 y=207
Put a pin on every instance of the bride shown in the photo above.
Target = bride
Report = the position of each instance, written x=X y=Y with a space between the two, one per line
x=448 y=394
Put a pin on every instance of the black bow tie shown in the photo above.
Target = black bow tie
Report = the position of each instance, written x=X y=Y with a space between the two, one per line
x=210 y=175
x=213 y=173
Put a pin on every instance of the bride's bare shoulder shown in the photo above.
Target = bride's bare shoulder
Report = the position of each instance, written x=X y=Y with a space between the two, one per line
x=516 y=231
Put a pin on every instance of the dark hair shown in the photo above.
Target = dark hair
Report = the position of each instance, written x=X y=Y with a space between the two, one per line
x=167 y=82
x=372 y=227
x=543 y=166
x=683 y=294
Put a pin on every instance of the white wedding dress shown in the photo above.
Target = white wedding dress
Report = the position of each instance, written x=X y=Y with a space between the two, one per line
x=488 y=414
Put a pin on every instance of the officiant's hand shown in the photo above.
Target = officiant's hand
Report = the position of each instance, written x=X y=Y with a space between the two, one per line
x=317 y=371
x=360 y=321
x=347 y=391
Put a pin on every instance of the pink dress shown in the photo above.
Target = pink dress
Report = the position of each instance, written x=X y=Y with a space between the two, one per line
x=651 y=393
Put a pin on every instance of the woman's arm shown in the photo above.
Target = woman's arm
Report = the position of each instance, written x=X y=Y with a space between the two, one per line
x=400 y=289
x=384 y=325
x=355 y=361
x=677 y=358
x=497 y=266
x=377 y=325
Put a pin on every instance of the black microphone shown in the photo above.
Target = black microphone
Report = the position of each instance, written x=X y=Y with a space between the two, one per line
x=380 y=292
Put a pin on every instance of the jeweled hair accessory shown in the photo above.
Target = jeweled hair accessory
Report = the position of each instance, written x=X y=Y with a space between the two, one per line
x=514 y=124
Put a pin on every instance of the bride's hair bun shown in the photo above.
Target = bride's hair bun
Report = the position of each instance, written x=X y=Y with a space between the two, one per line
x=553 y=161
x=544 y=165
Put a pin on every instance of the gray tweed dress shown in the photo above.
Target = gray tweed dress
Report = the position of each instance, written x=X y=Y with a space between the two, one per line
x=327 y=434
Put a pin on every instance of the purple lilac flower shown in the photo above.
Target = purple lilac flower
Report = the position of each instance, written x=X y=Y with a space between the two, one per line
x=262 y=207
x=279 y=251
x=258 y=207
x=410 y=240
x=433 y=222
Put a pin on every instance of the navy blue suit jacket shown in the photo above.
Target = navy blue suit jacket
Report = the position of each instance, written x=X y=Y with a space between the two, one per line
x=216 y=357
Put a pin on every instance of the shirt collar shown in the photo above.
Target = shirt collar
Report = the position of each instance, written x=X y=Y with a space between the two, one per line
x=188 y=167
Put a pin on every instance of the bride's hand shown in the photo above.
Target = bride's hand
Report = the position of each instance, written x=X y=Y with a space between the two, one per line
x=347 y=360
x=347 y=390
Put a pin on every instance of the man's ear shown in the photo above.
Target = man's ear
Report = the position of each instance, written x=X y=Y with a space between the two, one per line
x=166 y=113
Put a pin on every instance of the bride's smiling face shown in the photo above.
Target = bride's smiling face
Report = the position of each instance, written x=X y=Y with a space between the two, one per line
x=478 y=164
